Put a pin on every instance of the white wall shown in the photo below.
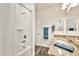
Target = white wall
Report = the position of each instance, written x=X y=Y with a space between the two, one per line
x=24 y=21
x=1 y=29
x=47 y=17
x=5 y=28
x=31 y=6
x=33 y=29
x=9 y=18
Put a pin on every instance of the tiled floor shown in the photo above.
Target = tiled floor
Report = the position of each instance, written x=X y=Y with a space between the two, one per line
x=41 y=51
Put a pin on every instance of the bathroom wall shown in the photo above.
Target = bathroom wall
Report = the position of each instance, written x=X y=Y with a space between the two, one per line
x=1 y=29
x=25 y=25
x=5 y=28
x=49 y=16
x=9 y=19
x=32 y=7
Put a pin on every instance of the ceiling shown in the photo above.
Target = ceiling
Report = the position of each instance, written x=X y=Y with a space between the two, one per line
x=43 y=6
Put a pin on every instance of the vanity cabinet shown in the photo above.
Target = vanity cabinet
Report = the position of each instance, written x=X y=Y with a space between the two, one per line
x=70 y=38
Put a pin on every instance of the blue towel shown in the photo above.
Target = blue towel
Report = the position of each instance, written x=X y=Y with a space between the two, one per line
x=65 y=47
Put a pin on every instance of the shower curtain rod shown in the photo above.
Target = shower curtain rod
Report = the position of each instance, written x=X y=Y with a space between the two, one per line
x=25 y=7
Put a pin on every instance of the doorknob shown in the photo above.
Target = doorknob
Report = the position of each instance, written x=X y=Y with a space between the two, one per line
x=25 y=36
x=23 y=41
